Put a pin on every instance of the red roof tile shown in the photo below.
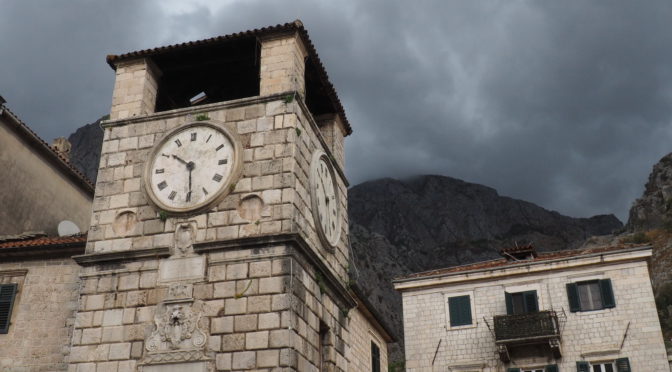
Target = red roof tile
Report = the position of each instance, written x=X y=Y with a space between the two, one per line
x=46 y=241
x=296 y=26
x=503 y=263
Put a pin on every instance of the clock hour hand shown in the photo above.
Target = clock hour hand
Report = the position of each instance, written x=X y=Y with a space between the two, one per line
x=180 y=160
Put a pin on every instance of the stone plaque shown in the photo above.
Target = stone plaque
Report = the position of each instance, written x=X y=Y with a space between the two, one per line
x=184 y=268
x=177 y=367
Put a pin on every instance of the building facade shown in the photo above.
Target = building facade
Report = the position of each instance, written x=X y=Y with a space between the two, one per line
x=588 y=310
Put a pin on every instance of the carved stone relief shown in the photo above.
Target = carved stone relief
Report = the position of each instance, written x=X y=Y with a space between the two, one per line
x=178 y=333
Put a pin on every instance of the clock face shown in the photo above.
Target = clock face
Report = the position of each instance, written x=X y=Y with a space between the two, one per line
x=192 y=167
x=326 y=208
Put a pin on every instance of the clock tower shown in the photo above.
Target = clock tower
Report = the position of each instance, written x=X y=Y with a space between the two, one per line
x=218 y=237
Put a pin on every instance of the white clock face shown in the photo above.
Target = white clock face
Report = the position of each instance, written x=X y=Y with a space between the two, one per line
x=191 y=167
x=326 y=209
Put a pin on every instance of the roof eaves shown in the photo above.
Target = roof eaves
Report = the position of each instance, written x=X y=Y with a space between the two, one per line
x=433 y=274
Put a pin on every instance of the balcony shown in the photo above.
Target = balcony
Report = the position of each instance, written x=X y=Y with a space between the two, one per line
x=525 y=329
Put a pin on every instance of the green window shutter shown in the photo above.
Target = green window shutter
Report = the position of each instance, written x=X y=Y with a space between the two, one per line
x=509 y=303
x=582 y=367
x=460 y=310
x=573 y=297
x=622 y=365
x=530 y=298
x=7 y=293
x=375 y=357
x=513 y=370
x=551 y=368
x=608 y=300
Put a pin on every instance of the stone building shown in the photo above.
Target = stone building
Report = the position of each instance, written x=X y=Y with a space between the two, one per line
x=219 y=233
x=39 y=187
x=589 y=310
x=39 y=283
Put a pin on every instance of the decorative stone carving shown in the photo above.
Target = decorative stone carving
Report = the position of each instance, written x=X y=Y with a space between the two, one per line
x=176 y=327
x=180 y=291
x=184 y=264
x=185 y=234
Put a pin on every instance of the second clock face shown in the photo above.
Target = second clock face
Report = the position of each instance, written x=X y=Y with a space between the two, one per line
x=326 y=210
x=191 y=167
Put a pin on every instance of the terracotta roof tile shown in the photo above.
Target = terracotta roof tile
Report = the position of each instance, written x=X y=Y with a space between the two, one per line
x=503 y=263
x=45 y=241
x=297 y=26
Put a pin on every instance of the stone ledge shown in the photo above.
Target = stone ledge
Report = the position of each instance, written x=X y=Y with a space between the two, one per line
x=195 y=110
x=95 y=258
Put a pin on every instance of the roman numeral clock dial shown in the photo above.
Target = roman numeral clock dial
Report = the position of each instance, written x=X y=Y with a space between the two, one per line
x=193 y=167
x=325 y=200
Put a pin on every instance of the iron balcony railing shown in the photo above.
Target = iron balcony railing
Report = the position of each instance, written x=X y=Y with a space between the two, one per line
x=541 y=325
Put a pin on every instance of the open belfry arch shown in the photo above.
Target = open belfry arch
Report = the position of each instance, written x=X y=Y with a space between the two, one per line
x=219 y=234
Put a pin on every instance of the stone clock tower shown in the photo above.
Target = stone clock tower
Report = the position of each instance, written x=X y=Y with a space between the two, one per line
x=219 y=231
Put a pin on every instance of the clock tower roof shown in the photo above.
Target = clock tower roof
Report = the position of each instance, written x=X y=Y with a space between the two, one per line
x=316 y=74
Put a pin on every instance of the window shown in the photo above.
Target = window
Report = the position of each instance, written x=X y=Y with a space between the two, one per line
x=459 y=308
x=7 y=293
x=521 y=302
x=375 y=357
x=548 y=368
x=590 y=295
x=323 y=346
x=618 y=365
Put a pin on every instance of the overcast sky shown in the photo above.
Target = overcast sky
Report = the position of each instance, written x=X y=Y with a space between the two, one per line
x=567 y=104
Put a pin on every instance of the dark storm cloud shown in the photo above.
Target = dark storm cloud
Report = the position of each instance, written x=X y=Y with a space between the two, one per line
x=565 y=104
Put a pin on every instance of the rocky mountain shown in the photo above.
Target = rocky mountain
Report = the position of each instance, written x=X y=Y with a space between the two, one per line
x=654 y=209
x=400 y=227
x=85 y=153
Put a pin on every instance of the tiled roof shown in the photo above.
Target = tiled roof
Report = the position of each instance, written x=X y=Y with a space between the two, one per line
x=46 y=241
x=503 y=263
x=296 y=26
x=49 y=151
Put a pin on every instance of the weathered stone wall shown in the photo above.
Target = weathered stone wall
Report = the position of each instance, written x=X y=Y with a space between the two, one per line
x=43 y=314
x=278 y=140
x=35 y=195
x=362 y=333
x=426 y=321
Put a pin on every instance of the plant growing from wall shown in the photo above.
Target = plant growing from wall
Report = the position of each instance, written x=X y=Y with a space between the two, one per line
x=319 y=279
x=240 y=294
x=201 y=117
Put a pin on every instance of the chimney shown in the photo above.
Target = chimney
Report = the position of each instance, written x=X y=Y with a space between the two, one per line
x=62 y=147
x=519 y=252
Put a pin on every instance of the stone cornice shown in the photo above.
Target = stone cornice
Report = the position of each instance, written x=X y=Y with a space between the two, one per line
x=106 y=257
x=196 y=109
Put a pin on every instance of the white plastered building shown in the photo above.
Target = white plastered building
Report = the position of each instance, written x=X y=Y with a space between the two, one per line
x=588 y=310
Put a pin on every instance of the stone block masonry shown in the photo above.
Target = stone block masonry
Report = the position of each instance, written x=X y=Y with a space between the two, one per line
x=43 y=315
